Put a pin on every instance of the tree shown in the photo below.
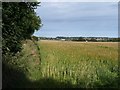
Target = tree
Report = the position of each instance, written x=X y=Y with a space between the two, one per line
x=19 y=21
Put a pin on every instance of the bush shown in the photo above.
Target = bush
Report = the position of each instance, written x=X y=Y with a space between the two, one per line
x=34 y=38
x=19 y=23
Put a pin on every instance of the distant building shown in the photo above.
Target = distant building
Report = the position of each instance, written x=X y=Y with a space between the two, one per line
x=63 y=39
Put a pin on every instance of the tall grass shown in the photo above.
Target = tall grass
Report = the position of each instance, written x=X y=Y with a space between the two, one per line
x=83 y=64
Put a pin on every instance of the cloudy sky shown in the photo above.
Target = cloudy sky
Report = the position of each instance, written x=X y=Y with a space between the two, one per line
x=87 y=19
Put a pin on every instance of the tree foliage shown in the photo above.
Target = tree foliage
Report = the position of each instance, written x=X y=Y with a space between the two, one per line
x=19 y=21
x=34 y=38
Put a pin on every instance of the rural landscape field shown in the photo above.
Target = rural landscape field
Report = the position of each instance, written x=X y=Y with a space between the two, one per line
x=70 y=64
x=60 y=44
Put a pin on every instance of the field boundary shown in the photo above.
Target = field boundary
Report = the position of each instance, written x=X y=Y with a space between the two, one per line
x=38 y=50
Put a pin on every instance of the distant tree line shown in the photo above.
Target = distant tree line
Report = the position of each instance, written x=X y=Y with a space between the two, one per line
x=90 y=39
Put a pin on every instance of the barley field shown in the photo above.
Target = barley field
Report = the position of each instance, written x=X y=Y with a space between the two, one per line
x=51 y=64
x=91 y=64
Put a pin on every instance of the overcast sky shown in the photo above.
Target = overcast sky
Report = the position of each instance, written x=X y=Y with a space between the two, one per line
x=86 y=19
